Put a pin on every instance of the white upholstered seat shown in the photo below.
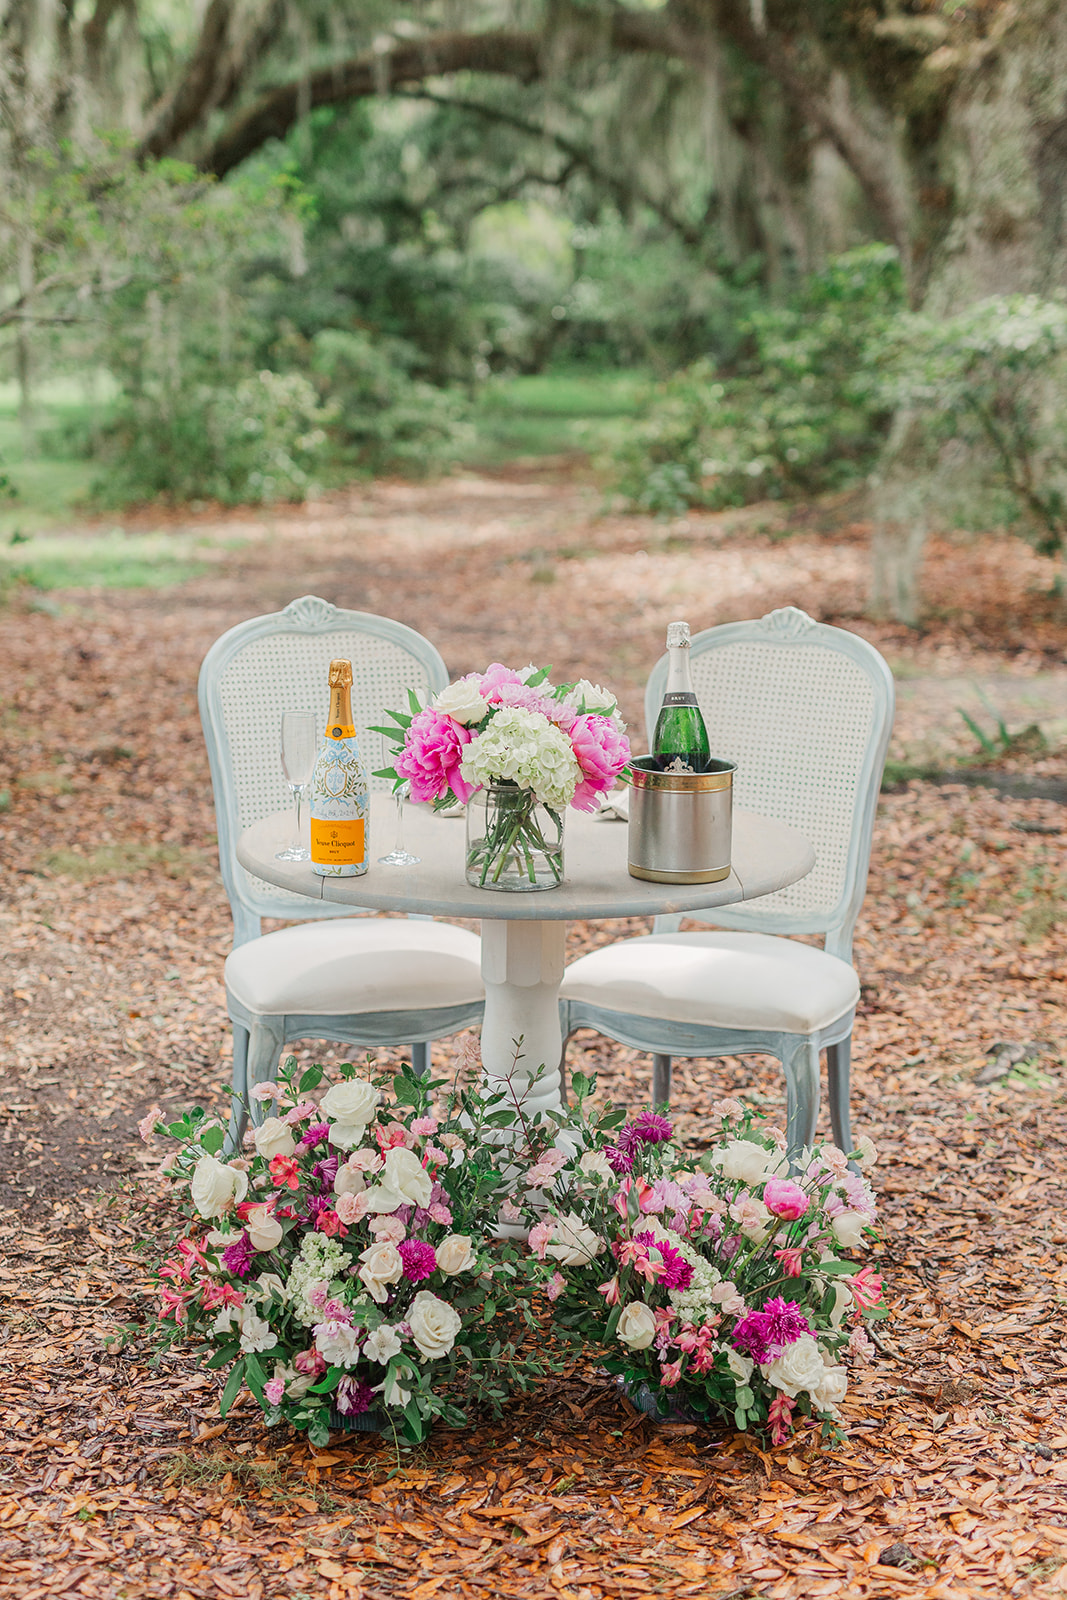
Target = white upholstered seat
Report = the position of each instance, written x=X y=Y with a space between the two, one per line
x=358 y=980
x=742 y=980
x=335 y=968
x=805 y=711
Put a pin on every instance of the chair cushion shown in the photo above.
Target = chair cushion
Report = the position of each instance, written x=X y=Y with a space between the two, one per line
x=726 y=980
x=349 y=966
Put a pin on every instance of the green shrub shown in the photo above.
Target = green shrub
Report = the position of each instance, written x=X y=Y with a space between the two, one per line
x=256 y=441
x=989 y=385
x=382 y=418
x=805 y=409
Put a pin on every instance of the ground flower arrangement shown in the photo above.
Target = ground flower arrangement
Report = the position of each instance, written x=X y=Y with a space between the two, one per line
x=352 y=1268
x=345 y=1267
x=716 y=1288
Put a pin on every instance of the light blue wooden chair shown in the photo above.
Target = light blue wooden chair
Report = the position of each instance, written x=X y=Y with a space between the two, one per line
x=360 y=980
x=805 y=711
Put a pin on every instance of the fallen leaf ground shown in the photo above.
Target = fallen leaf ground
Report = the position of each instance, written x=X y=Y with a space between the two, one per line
x=117 y=1478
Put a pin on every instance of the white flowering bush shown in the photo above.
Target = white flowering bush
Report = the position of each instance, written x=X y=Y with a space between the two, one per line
x=346 y=1263
x=716 y=1287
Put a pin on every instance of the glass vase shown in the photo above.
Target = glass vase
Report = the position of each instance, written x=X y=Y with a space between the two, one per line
x=513 y=841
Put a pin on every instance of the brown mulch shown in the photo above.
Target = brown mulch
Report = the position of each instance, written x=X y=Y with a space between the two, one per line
x=117 y=1478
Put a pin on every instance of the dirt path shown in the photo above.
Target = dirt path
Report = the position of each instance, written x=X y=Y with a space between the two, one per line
x=116 y=1478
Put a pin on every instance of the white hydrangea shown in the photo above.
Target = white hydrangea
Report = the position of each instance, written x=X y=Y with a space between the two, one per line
x=321 y=1259
x=695 y=1303
x=527 y=749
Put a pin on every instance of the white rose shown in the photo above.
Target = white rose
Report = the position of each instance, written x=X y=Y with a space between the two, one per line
x=455 y=1254
x=382 y=1265
x=848 y=1228
x=434 y=1325
x=382 y=1345
x=337 y=1342
x=273 y=1138
x=265 y=1232
x=746 y=1162
x=462 y=702
x=596 y=1161
x=404 y=1181
x=256 y=1333
x=800 y=1366
x=828 y=1394
x=637 y=1326
x=573 y=1244
x=215 y=1186
x=350 y=1106
x=741 y=1366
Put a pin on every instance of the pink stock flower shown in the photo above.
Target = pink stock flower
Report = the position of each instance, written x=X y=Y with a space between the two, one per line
x=860 y=1347
x=785 y=1199
x=791 y=1260
x=429 y=761
x=669 y=1373
x=274 y=1389
x=555 y=1286
x=601 y=751
x=545 y=1169
x=780 y=1417
x=541 y=1237
x=146 y=1126
x=866 y=1288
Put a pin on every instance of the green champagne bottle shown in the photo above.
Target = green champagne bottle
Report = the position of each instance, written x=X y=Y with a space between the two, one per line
x=680 y=742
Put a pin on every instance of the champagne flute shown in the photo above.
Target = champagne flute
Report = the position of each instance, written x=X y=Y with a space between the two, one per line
x=398 y=856
x=300 y=741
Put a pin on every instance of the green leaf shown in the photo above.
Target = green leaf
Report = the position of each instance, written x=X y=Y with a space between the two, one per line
x=310 y=1079
x=490 y=1311
x=233 y=1387
x=213 y=1140
x=255 y=1377
x=414 y=702
x=407 y=1091
x=224 y=1355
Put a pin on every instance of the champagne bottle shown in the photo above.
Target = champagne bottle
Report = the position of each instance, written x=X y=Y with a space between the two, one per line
x=340 y=843
x=680 y=742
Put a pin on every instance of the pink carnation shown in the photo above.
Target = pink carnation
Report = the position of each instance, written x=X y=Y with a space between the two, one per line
x=555 y=1286
x=433 y=749
x=274 y=1389
x=541 y=1237
x=601 y=751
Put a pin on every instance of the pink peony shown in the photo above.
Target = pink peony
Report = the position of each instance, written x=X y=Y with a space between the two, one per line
x=492 y=680
x=601 y=751
x=785 y=1199
x=523 y=699
x=433 y=749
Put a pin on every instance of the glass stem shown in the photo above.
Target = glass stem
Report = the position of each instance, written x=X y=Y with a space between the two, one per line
x=399 y=846
x=298 y=795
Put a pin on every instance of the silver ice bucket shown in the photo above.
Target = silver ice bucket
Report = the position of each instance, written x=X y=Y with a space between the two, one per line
x=680 y=823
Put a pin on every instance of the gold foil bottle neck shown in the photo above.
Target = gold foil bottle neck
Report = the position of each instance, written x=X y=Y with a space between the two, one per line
x=340 y=674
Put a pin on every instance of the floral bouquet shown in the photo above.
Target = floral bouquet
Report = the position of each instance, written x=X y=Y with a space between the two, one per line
x=347 y=1263
x=715 y=1286
x=528 y=747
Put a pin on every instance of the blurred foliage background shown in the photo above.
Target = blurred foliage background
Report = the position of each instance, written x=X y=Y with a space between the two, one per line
x=726 y=252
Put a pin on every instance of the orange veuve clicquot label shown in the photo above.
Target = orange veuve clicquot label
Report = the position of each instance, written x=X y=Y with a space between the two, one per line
x=337 y=843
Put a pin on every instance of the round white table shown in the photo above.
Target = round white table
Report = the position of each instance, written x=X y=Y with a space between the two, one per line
x=524 y=935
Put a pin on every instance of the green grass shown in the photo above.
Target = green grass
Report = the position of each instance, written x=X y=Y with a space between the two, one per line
x=52 y=482
x=112 y=560
x=120 y=861
x=553 y=413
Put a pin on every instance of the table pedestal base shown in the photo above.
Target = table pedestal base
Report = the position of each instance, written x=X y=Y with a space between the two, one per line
x=522 y=965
